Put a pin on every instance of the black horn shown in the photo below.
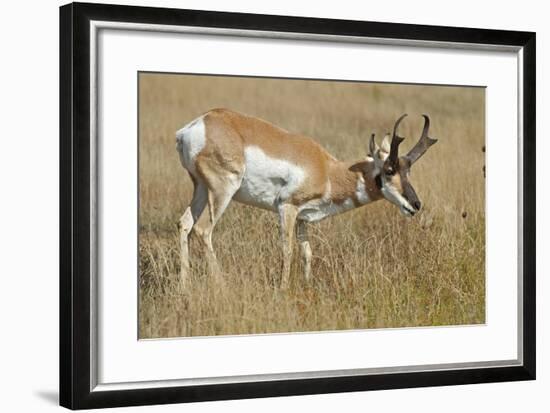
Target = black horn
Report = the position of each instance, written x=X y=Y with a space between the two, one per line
x=395 y=142
x=423 y=143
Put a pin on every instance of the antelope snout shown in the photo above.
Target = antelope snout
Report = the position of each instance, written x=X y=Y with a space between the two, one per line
x=417 y=205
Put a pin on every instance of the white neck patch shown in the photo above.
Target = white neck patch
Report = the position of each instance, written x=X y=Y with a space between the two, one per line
x=361 y=192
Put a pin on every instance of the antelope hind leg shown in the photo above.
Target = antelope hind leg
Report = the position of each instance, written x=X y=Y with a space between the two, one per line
x=305 y=248
x=186 y=225
x=220 y=192
x=287 y=216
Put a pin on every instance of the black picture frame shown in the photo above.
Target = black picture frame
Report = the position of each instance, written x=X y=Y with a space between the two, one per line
x=75 y=219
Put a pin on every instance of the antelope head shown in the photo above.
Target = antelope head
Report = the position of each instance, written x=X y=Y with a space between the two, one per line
x=393 y=171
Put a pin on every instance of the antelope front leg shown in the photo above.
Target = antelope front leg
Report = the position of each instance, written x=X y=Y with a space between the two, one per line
x=287 y=215
x=305 y=249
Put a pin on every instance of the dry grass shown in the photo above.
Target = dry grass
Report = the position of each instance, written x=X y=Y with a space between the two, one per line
x=371 y=267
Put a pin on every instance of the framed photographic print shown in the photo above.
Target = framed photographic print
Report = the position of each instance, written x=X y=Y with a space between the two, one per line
x=258 y=206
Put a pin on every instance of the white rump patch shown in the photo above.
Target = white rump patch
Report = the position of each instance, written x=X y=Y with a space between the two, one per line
x=190 y=140
x=268 y=181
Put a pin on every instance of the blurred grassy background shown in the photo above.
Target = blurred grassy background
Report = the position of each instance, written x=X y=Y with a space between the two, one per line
x=371 y=267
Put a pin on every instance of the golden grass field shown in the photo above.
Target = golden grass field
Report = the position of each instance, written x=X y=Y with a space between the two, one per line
x=371 y=267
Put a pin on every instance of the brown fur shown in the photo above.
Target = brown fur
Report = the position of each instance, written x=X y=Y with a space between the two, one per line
x=229 y=132
x=396 y=181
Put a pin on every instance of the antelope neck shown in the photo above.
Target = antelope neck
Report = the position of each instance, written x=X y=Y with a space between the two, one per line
x=358 y=185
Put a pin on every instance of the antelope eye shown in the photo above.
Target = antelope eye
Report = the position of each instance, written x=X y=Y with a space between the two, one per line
x=390 y=171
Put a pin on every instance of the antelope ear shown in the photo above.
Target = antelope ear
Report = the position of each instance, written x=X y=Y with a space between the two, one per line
x=359 y=167
x=376 y=153
x=385 y=148
x=373 y=147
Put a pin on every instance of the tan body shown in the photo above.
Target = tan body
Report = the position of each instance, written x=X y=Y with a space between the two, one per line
x=233 y=156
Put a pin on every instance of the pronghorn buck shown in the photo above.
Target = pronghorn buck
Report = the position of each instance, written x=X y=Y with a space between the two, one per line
x=234 y=156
